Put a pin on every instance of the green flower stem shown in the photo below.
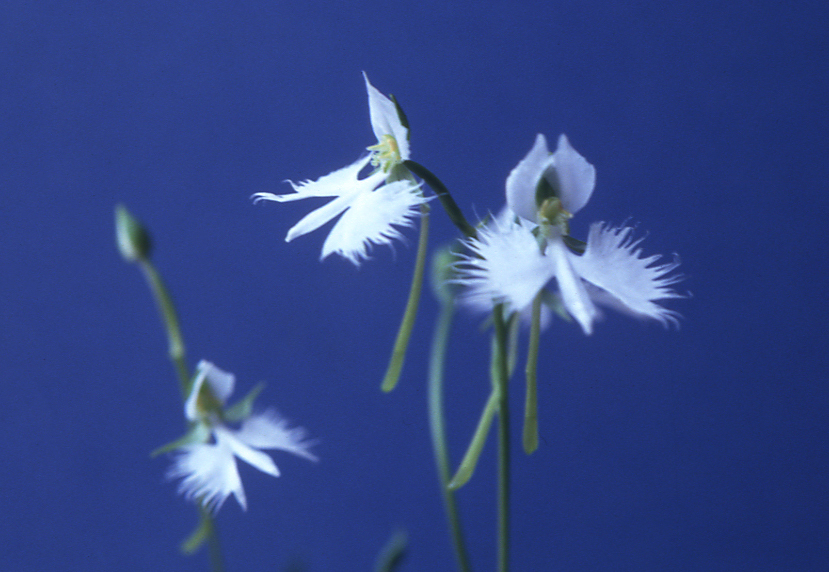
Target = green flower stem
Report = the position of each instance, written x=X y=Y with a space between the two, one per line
x=402 y=342
x=170 y=319
x=206 y=530
x=530 y=437
x=436 y=426
x=500 y=379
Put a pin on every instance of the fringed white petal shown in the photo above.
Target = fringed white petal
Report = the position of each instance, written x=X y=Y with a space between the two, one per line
x=576 y=178
x=209 y=474
x=505 y=266
x=334 y=184
x=385 y=121
x=523 y=179
x=613 y=263
x=574 y=296
x=372 y=219
x=267 y=430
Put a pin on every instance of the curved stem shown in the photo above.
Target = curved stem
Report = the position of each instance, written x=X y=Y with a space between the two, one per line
x=206 y=530
x=437 y=360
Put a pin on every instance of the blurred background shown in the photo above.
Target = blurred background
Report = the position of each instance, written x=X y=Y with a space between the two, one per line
x=701 y=449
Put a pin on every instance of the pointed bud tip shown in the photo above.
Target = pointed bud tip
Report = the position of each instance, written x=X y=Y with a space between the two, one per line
x=132 y=238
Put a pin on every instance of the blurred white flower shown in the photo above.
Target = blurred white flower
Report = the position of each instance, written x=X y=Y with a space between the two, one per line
x=374 y=207
x=206 y=457
x=516 y=255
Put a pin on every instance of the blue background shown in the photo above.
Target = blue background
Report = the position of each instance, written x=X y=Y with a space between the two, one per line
x=698 y=449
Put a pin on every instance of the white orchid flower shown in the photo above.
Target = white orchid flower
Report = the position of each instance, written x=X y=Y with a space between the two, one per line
x=516 y=256
x=206 y=459
x=373 y=208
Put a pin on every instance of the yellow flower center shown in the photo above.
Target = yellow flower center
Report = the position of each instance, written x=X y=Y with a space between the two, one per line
x=386 y=153
x=552 y=213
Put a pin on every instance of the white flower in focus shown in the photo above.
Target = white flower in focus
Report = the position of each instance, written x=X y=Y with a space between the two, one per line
x=374 y=207
x=207 y=466
x=515 y=256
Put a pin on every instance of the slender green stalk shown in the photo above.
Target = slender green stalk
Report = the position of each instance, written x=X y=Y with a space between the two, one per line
x=530 y=437
x=206 y=530
x=438 y=431
x=500 y=379
x=170 y=319
x=406 y=326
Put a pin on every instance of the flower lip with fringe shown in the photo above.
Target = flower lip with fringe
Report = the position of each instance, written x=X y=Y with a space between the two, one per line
x=516 y=255
x=208 y=469
x=373 y=208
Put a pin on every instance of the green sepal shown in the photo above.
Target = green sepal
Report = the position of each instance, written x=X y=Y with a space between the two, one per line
x=199 y=433
x=243 y=408
x=132 y=238
x=574 y=244
x=404 y=121
x=449 y=205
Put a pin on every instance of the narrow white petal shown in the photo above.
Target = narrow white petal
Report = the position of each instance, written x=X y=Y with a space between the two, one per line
x=505 y=266
x=372 y=219
x=228 y=437
x=384 y=119
x=613 y=262
x=208 y=474
x=576 y=177
x=522 y=181
x=573 y=293
x=321 y=215
x=267 y=430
